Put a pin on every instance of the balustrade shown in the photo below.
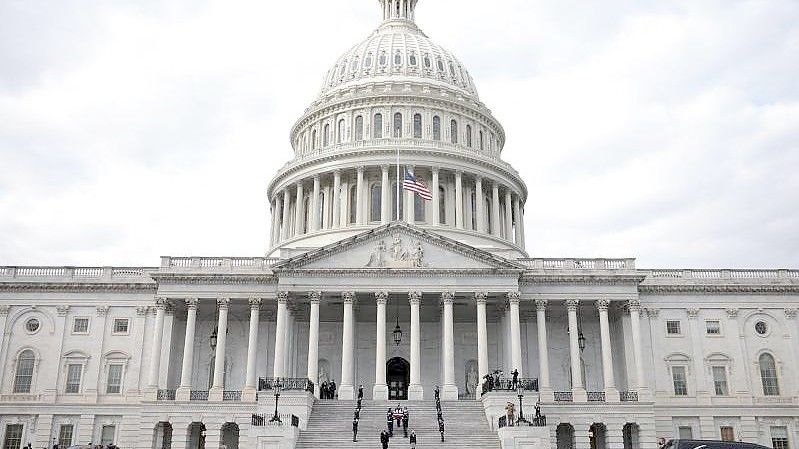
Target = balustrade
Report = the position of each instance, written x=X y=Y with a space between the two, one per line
x=596 y=396
x=198 y=395
x=628 y=396
x=262 y=420
x=166 y=395
x=286 y=384
x=563 y=396
x=231 y=395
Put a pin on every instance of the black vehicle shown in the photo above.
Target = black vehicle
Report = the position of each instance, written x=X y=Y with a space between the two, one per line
x=710 y=444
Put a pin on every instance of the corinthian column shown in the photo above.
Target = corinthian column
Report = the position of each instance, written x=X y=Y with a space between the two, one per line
x=280 y=335
x=495 y=225
x=184 y=390
x=479 y=206
x=313 y=340
x=346 y=390
x=611 y=393
x=450 y=391
x=248 y=393
x=284 y=226
x=515 y=333
x=458 y=200
x=635 y=325
x=336 y=199
x=158 y=337
x=434 y=205
x=299 y=209
x=380 y=389
x=359 y=197
x=543 y=351
x=578 y=390
x=415 y=390
x=218 y=386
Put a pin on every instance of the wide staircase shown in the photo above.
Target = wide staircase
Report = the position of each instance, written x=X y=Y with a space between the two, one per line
x=465 y=425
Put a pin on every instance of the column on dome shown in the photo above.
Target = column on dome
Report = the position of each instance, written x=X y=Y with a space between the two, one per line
x=249 y=391
x=380 y=389
x=578 y=390
x=517 y=220
x=611 y=393
x=299 y=210
x=434 y=204
x=313 y=339
x=508 y=215
x=314 y=226
x=459 y=199
x=385 y=195
x=450 y=390
x=285 y=229
x=521 y=222
x=514 y=299
x=359 y=196
x=545 y=387
x=468 y=214
x=183 y=392
x=346 y=390
x=218 y=385
x=277 y=216
x=479 y=203
x=410 y=210
x=158 y=337
x=415 y=390
x=482 y=337
x=495 y=222
x=336 y=199
x=280 y=335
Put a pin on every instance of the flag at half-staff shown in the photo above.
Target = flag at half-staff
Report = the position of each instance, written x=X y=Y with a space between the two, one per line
x=416 y=185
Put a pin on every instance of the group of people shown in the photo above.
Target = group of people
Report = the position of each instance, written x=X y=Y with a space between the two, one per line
x=328 y=390
x=437 y=394
x=401 y=416
x=357 y=416
x=493 y=381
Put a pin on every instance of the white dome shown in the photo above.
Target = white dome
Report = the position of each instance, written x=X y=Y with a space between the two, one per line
x=398 y=49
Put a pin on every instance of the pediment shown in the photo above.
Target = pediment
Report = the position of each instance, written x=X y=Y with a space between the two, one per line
x=398 y=246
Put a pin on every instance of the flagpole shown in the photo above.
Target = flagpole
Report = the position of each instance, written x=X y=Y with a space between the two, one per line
x=398 y=185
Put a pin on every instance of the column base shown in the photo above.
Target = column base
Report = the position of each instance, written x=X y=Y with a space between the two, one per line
x=449 y=393
x=415 y=392
x=546 y=394
x=612 y=395
x=215 y=394
x=249 y=394
x=644 y=394
x=151 y=394
x=183 y=394
x=380 y=392
x=579 y=395
x=346 y=392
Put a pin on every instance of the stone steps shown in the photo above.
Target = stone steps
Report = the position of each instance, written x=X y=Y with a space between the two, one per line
x=330 y=425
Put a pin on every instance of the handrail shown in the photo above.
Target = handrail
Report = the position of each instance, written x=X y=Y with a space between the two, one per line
x=286 y=384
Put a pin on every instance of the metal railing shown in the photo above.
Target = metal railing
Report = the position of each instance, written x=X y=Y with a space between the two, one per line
x=166 y=395
x=198 y=395
x=286 y=384
x=263 y=419
x=563 y=396
x=596 y=396
x=231 y=395
x=628 y=396
x=504 y=384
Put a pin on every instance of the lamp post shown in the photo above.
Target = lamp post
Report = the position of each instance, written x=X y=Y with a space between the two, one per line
x=276 y=418
x=520 y=393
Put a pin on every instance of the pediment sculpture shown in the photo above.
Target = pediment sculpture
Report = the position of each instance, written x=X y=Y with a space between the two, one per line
x=399 y=256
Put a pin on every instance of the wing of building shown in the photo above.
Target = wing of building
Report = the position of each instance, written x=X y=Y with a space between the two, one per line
x=369 y=284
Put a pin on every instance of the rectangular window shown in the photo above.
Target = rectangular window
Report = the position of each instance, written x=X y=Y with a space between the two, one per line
x=121 y=325
x=80 y=326
x=107 y=435
x=727 y=433
x=73 y=378
x=713 y=327
x=114 y=384
x=65 y=435
x=24 y=375
x=720 y=381
x=685 y=433
x=680 y=379
x=673 y=327
x=779 y=437
x=13 y=439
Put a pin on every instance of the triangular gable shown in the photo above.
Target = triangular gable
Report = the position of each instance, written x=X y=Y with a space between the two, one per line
x=398 y=245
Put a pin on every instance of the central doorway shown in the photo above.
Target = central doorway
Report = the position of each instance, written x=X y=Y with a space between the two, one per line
x=398 y=372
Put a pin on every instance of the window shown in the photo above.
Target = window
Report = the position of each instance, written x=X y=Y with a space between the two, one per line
x=469 y=136
x=779 y=437
x=107 y=435
x=121 y=325
x=326 y=135
x=394 y=198
x=382 y=60
x=354 y=64
x=412 y=58
x=418 y=208
x=440 y=64
x=685 y=432
x=74 y=372
x=368 y=61
x=397 y=58
x=353 y=203
x=13 y=439
x=727 y=433
x=343 y=68
x=426 y=61
x=359 y=127
x=417 y=126
x=313 y=140
x=114 y=381
x=673 y=327
x=482 y=144
x=436 y=127
x=80 y=326
x=341 y=131
x=32 y=325
x=65 y=435
x=397 y=125
x=376 y=202
x=720 y=380
x=768 y=375
x=322 y=199
x=761 y=328
x=378 y=126
x=442 y=205
x=451 y=69
x=453 y=131
x=23 y=377
x=713 y=327
x=680 y=379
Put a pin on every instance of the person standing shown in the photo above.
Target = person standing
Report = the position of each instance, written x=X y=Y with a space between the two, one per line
x=355 y=430
x=441 y=429
x=384 y=439
x=405 y=424
x=413 y=439
x=390 y=424
x=515 y=378
x=332 y=389
x=360 y=392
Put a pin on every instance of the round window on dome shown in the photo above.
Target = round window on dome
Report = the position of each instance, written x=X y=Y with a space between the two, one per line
x=761 y=328
x=32 y=325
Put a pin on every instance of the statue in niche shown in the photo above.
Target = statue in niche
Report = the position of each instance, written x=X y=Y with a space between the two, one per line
x=471 y=378
x=323 y=375
x=400 y=257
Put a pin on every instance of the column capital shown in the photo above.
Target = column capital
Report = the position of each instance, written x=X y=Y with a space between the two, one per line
x=541 y=305
x=255 y=303
x=478 y=179
x=192 y=303
x=381 y=297
x=317 y=177
x=223 y=302
x=415 y=297
x=480 y=297
x=314 y=297
x=101 y=310
x=514 y=297
x=161 y=303
x=692 y=313
x=634 y=305
x=384 y=167
x=435 y=169
x=348 y=297
x=360 y=169
x=572 y=304
x=337 y=172
x=790 y=313
x=448 y=297
x=282 y=297
x=299 y=183
x=602 y=304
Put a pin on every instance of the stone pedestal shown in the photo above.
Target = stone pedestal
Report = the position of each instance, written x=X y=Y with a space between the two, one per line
x=249 y=395
x=524 y=437
x=416 y=392
x=183 y=394
x=449 y=393
x=380 y=392
x=346 y=392
x=215 y=395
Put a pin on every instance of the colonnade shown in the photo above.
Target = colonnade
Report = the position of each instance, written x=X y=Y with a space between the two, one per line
x=347 y=387
x=367 y=195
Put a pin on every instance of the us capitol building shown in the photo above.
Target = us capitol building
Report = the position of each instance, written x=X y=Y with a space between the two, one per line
x=365 y=285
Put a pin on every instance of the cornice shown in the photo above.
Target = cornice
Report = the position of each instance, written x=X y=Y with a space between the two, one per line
x=215 y=278
x=580 y=278
x=76 y=287
x=398 y=272
x=720 y=288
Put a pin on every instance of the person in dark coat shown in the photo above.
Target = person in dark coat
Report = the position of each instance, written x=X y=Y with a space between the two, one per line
x=332 y=389
x=413 y=440
x=323 y=390
x=441 y=429
x=405 y=424
x=355 y=429
x=515 y=374
x=436 y=392
x=384 y=439
x=390 y=425
x=360 y=392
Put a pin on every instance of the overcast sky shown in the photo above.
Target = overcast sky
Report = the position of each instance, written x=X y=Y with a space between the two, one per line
x=662 y=130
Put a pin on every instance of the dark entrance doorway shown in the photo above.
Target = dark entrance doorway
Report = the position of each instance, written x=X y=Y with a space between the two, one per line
x=398 y=372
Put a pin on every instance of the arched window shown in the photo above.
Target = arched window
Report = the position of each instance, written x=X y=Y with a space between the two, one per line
x=436 y=127
x=451 y=69
x=397 y=58
x=417 y=126
x=482 y=145
x=394 y=203
x=326 y=135
x=419 y=208
x=397 y=125
x=353 y=203
x=375 y=202
x=354 y=64
x=412 y=59
x=341 y=131
x=768 y=375
x=440 y=64
x=453 y=131
x=343 y=68
x=313 y=140
x=377 y=126
x=442 y=205
x=426 y=61
x=23 y=378
x=382 y=60
x=469 y=136
x=368 y=61
x=359 y=127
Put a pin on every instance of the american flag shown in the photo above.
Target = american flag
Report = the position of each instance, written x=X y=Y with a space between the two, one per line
x=415 y=184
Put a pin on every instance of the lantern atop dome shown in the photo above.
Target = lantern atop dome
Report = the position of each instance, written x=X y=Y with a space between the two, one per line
x=398 y=9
